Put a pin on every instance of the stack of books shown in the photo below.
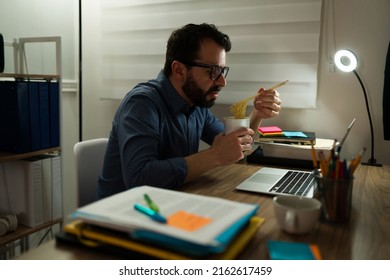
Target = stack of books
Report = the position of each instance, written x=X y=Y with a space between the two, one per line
x=294 y=151
x=166 y=224
x=288 y=148
x=277 y=135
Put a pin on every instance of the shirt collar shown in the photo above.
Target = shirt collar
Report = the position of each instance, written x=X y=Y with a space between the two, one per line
x=171 y=97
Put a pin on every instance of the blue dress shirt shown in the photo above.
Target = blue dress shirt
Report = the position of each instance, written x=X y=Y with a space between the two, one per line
x=152 y=131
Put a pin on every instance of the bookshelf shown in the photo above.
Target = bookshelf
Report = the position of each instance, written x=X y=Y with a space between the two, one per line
x=8 y=156
x=22 y=233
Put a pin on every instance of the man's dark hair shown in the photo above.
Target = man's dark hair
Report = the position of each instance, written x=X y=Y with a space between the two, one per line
x=184 y=43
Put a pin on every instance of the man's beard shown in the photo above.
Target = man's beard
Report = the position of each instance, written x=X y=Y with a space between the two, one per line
x=197 y=95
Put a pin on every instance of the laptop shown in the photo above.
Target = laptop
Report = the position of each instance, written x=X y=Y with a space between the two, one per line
x=279 y=181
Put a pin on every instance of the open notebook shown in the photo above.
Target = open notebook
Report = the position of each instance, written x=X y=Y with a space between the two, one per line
x=197 y=224
x=278 y=181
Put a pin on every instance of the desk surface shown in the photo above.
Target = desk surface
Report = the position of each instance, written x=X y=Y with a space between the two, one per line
x=366 y=236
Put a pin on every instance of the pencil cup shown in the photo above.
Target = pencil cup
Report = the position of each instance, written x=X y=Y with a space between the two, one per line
x=336 y=198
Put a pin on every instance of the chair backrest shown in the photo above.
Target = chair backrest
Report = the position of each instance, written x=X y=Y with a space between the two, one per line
x=89 y=156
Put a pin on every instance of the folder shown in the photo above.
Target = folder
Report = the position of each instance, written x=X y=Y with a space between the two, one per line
x=99 y=238
x=197 y=225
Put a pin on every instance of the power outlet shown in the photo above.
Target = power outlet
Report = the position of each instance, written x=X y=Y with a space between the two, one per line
x=331 y=67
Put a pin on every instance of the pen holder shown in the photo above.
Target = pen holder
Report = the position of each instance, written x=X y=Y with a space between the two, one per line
x=336 y=198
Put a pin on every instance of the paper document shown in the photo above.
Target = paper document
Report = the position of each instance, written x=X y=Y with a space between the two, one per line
x=194 y=218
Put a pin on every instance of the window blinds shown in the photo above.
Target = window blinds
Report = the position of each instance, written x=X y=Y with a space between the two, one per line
x=272 y=41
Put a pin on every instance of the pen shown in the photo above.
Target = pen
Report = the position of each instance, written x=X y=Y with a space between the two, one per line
x=151 y=203
x=150 y=213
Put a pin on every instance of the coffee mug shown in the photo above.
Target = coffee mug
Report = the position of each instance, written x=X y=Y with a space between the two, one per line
x=296 y=214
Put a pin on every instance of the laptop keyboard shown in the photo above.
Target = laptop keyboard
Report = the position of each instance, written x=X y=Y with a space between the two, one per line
x=294 y=183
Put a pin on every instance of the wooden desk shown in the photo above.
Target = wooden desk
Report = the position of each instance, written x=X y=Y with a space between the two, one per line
x=366 y=236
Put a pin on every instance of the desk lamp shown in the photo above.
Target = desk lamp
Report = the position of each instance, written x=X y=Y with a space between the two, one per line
x=346 y=61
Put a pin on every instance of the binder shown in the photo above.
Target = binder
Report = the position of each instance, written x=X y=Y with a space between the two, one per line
x=98 y=238
x=54 y=97
x=14 y=117
x=35 y=126
x=57 y=204
x=44 y=114
x=51 y=185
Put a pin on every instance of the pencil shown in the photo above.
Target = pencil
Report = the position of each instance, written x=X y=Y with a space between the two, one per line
x=356 y=161
x=332 y=152
x=323 y=163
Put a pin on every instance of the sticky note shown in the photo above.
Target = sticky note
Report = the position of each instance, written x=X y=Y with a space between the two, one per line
x=286 y=250
x=269 y=129
x=187 y=221
x=294 y=134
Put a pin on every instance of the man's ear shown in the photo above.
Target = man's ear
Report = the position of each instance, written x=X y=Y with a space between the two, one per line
x=179 y=71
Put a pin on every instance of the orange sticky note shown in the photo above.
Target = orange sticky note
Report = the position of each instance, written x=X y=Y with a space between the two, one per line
x=187 y=221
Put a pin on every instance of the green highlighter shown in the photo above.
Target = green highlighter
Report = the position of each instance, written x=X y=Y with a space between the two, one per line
x=151 y=204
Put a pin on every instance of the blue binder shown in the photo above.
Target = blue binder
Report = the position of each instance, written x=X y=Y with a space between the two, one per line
x=44 y=114
x=14 y=117
x=35 y=127
x=54 y=97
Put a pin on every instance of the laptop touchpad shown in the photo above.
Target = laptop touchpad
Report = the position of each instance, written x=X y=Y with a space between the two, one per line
x=268 y=179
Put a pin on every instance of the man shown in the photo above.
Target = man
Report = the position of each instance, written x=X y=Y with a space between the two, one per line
x=158 y=126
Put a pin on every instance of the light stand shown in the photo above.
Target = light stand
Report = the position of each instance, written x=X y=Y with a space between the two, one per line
x=346 y=61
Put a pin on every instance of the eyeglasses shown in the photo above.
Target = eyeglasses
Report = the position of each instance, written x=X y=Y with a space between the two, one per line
x=215 y=70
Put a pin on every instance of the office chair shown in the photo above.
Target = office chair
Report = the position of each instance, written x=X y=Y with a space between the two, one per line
x=89 y=155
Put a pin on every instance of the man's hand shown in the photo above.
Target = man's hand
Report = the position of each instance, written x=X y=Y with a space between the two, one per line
x=266 y=104
x=230 y=147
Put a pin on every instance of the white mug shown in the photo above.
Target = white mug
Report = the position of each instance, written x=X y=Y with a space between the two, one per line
x=296 y=214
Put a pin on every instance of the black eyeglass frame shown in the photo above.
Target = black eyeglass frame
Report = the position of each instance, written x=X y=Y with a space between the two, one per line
x=221 y=70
